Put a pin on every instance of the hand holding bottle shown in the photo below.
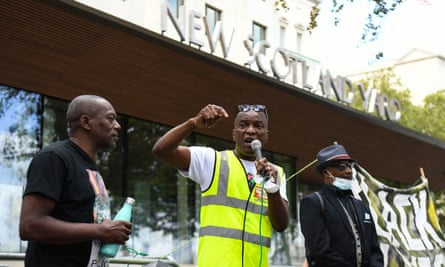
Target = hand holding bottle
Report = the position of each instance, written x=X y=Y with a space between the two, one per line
x=115 y=231
x=119 y=223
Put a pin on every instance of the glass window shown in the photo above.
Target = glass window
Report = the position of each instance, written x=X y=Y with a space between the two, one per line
x=282 y=36
x=175 y=4
x=20 y=120
x=166 y=213
x=259 y=34
x=299 y=39
x=54 y=121
x=213 y=15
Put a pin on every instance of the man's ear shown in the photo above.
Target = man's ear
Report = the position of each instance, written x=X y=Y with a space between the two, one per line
x=326 y=174
x=85 y=122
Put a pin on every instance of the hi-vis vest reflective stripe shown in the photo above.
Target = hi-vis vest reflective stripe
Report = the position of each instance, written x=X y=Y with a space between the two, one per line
x=224 y=208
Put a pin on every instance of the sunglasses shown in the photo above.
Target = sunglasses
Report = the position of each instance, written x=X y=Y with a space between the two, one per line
x=343 y=166
x=256 y=108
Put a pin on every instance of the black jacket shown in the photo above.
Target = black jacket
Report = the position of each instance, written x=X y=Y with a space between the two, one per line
x=329 y=239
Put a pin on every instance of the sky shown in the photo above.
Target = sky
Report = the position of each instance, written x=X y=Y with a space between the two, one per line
x=414 y=24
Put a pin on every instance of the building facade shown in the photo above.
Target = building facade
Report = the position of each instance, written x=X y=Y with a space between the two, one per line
x=53 y=51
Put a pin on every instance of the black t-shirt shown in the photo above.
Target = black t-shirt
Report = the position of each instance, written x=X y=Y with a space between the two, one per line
x=64 y=172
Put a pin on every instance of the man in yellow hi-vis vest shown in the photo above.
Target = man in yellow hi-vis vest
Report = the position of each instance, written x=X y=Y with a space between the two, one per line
x=243 y=198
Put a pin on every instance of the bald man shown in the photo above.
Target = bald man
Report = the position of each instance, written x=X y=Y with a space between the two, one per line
x=66 y=209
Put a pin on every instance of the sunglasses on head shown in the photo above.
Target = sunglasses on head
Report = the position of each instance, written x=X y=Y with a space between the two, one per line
x=342 y=166
x=256 y=107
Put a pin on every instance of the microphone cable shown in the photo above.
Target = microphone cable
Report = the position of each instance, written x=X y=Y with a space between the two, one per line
x=251 y=187
x=261 y=219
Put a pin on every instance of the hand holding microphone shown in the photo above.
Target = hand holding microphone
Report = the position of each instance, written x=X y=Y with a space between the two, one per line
x=265 y=169
x=256 y=147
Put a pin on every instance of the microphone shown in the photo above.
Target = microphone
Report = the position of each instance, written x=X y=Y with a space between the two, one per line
x=256 y=147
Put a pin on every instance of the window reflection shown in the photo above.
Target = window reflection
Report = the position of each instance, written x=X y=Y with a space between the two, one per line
x=213 y=15
x=54 y=120
x=19 y=138
x=259 y=34
x=175 y=4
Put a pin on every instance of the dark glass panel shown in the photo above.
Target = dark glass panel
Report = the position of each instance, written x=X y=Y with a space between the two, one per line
x=54 y=120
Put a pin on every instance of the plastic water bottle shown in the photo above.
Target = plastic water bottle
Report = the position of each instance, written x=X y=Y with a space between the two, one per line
x=124 y=214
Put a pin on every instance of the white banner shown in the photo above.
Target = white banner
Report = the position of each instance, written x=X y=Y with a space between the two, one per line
x=406 y=222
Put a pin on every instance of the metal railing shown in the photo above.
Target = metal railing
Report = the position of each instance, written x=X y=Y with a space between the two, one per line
x=17 y=260
x=143 y=261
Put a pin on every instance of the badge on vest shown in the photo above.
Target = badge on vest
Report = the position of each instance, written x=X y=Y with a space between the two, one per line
x=367 y=218
x=259 y=192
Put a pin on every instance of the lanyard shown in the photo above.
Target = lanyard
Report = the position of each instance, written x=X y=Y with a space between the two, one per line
x=358 y=249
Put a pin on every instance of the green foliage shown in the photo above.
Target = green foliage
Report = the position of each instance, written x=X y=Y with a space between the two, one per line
x=281 y=4
x=313 y=18
x=389 y=84
x=439 y=203
x=432 y=121
x=426 y=119
x=380 y=9
x=20 y=123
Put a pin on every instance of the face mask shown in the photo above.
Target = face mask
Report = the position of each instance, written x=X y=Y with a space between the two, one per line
x=341 y=183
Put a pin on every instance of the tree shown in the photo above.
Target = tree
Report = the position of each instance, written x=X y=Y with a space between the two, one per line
x=426 y=119
x=379 y=10
x=372 y=28
x=19 y=129
x=390 y=85
x=431 y=122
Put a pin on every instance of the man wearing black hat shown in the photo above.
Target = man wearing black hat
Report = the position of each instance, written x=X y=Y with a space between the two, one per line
x=338 y=228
